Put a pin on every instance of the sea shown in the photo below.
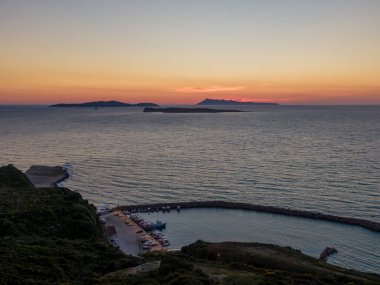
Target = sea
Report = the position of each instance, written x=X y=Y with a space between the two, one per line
x=316 y=158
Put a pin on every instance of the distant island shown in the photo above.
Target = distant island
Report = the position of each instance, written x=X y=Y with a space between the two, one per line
x=208 y=101
x=187 y=110
x=98 y=104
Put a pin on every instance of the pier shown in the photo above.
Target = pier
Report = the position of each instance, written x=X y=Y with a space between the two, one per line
x=128 y=234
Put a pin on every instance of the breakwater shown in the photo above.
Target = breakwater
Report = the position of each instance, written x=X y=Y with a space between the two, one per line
x=47 y=176
x=374 y=226
x=65 y=176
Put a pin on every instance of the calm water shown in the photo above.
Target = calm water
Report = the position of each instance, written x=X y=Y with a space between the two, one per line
x=358 y=248
x=324 y=159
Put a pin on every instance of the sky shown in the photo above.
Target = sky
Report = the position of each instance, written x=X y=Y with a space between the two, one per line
x=180 y=51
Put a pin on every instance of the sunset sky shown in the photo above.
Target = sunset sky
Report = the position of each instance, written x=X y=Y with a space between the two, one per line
x=182 y=51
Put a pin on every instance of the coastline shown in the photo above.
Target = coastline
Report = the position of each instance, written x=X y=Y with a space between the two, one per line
x=51 y=176
x=370 y=225
x=73 y=223
x=47 y=176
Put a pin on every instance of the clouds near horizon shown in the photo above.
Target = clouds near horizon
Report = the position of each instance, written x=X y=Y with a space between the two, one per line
x=208 y=89
x=298 y=52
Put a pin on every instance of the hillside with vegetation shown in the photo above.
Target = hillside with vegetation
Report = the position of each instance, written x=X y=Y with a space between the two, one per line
x=233 y=263
x=53 y=236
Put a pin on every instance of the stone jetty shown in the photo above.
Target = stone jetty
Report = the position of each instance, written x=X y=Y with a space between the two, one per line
x=371 y=225
x=46 y=176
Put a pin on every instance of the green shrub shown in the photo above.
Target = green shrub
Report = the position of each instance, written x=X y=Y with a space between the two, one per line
x=171 y=263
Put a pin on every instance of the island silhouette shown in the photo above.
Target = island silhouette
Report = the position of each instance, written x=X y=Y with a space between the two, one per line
x=97 y=104
x=208 y=101
x=187 y=110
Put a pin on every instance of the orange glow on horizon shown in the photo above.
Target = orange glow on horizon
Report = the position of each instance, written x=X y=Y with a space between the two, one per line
x=311 y=52
x=42 y=87
x=169 y=96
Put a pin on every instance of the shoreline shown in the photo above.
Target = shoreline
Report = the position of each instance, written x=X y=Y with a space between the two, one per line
x=370 y=225
x=64 y=177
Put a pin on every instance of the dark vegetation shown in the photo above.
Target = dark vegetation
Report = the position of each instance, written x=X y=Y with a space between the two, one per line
x=53 y=236
x=175 y=269
x=239 y=264
x=272 y=264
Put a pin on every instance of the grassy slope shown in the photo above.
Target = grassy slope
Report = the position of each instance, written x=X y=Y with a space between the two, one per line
x=50 y=235
x=267 y=262
x=241 y=263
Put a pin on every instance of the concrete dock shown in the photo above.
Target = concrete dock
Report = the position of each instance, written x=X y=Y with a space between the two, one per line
x=128 y=234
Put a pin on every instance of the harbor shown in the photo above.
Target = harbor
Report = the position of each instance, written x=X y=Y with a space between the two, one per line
x=132 y=234
x=144 y=228
x=368 y=224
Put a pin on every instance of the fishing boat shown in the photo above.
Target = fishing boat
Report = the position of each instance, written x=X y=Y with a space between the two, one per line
x=158 y=225
x=164 y=242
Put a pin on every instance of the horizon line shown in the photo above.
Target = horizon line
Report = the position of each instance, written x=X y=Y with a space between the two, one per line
x=169 y=104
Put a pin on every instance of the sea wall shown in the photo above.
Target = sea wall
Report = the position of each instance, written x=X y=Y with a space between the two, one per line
x=374 y=226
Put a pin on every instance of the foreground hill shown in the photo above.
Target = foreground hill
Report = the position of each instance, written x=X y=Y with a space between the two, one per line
x=233 y=263
x=53 y=236
x=99 y=104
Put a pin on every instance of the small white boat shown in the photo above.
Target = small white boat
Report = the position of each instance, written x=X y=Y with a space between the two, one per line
x=148 y=242
x=165 y=242
x=145 y=238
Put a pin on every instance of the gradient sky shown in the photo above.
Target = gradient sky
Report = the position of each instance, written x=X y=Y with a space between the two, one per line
x=181 y=51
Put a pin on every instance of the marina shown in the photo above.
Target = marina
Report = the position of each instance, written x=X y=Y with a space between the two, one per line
x=132 y=234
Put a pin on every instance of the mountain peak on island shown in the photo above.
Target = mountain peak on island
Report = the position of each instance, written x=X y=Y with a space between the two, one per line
x=97 y=104
x=208 y=101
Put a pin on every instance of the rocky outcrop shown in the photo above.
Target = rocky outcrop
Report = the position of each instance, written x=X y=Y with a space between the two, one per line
x=374 y=226
x=327 y=252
